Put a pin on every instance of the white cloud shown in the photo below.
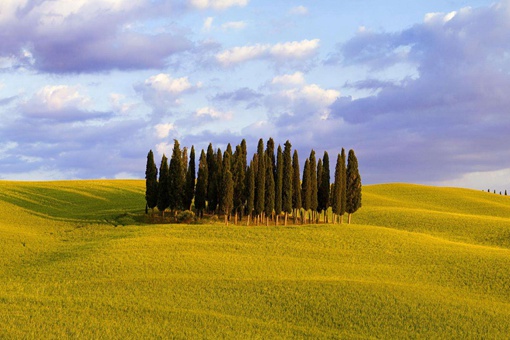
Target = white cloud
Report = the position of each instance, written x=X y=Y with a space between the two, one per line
x=498 y=180
x=217 y=4
x=234 y=25
x=163 y=130
x=59 y=102
x=164 y=83
x=295 y=49
x=212 y=113
x=280 y=52
x=299 y=10
x=161 y=90
x=208 y=24
x=241 y=54
x=289 y=79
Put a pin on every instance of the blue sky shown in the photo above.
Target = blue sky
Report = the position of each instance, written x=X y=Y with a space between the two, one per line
x=418 y=89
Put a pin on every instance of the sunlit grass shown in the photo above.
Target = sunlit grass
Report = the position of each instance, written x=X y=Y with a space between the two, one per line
x=419 y=266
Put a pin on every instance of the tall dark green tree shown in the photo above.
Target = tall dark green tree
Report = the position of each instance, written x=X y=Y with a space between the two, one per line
x=250 y=197
x=214 y=199
x=151 y=182
x=238 y=175
x=189 y=190
x=260 y=180
x=325 y=187
x=201 y=189
x=163 y=196
x=296 y=186
x=270 y=190
x=338 y=191
x=313 y=184
x=353 y=182
x=278 y=207
x=306 y=188
x=343 y=193
x=211 y=183
x=287 y=180
x=227 y=191
x=175 y=179
x=319 y=179
x=270 y=153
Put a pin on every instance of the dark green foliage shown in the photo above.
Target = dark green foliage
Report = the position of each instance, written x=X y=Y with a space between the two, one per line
x=270 y=188
x=151 y=181
x=338 y=185
x=271 y=155
x=343 y=193
x=201 y=189
x=163 y=197
x=260 y=179
x=323 y=192
x=353 y=182
x=279 y=181
x=189 y=190
x=228 y=153
x=216 y=185
x=175 y=179
x=211 y=167
x=313 y=182
x=227 y=191
x=239 y=174
x=250 y=175
x=319 y=180
x=287 y=178
x=296 y=182
x=306 y=187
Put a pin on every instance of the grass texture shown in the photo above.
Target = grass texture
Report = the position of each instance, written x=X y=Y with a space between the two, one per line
x=419 y=262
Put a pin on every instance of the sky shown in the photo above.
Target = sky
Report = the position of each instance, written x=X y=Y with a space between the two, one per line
x=419 y=89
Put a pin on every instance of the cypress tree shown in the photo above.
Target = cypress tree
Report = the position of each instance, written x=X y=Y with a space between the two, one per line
x=296 y=185
x=343 y=181
x=226 y=197
x=353 y=182
x=313 y=184
x=250 y=198
x=227 y=191
x=319 y=179
x=505 y=193
x=306 y=188
x=244 y=162
x=151 y=182
x=217 y=179
x=325 y=186
x=270 y=190
x=211 y=183
x=271 y=155
x=163 y=196
x=287 y=180
x=238 y=175
x=336 y=192
x=201 y=189
x=189 y=191
x=260 y=181
x=278 y=183
x=175 y=179
x=230 y=156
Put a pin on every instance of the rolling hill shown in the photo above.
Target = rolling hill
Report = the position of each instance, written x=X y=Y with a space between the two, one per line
x=421 y=262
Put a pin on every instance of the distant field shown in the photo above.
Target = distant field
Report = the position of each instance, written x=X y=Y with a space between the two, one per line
x=419 y=262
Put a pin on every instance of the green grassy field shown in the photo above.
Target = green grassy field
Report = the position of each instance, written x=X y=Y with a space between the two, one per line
x=419 y=262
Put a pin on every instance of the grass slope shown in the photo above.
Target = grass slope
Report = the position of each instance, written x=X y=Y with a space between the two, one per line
x=421 y=262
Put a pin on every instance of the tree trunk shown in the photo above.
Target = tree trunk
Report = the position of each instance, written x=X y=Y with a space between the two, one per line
x=235 y=218
x=248 y=220
x=267 y=221
x=226 y=220
x=276 y=220
x=341 y=219
x=286 y=216
x=349 y=218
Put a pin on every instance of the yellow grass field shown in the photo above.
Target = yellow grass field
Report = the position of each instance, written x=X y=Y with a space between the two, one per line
x=417 y=262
